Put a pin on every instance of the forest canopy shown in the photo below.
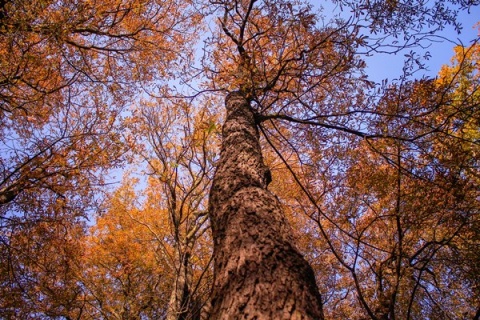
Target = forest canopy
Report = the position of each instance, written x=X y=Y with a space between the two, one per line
x=259 y=156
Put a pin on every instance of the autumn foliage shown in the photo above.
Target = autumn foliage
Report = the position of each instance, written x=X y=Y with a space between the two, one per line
x=110 y=134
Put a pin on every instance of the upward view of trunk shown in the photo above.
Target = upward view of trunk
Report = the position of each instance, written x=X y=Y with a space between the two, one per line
x=259 y=274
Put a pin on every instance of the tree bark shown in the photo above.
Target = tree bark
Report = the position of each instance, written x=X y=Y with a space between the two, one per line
x=259 y=274
x=183 y=304
x=178 y=306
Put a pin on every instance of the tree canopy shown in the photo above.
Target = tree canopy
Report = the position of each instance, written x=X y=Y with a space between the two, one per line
x=370 y=189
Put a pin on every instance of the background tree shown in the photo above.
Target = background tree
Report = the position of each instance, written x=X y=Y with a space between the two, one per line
x=132 y=267
x=69 y=69
x=38 y=271
x=179 y=149
x=127 y=269
x=392 y=229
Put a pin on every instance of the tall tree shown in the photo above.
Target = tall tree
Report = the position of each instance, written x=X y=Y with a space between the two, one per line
x=259 y=272
x=278 y=66
x=267 y=54
x=291 y=82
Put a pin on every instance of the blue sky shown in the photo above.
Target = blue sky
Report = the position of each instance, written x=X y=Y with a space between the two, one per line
x=382 y=66
x=388 y=66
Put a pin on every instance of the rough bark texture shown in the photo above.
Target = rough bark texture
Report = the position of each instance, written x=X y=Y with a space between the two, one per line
x=259 y=274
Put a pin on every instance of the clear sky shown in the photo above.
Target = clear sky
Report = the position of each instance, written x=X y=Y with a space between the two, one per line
x=381 y=66
x=389 y=66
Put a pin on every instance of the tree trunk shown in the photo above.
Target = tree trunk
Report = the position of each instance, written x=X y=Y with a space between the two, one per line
x=183 y=305
x=259 y=274
x=177 y=307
